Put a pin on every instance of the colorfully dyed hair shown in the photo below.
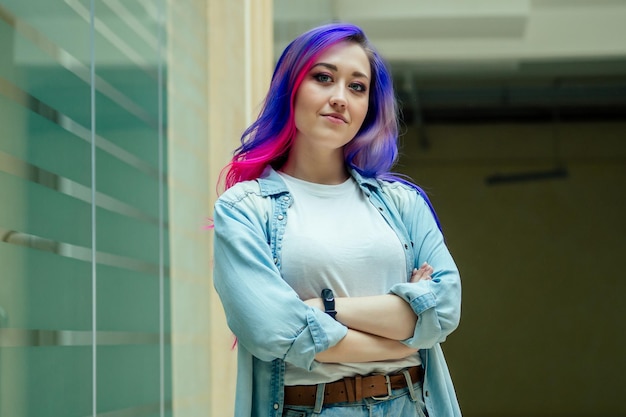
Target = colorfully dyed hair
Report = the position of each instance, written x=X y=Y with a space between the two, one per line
x=374 y=149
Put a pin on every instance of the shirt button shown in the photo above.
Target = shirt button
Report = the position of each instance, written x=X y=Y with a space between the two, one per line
x=275 y=260
x=280 y=217
x=276 y=406
x=406 y=246
x=286 y=198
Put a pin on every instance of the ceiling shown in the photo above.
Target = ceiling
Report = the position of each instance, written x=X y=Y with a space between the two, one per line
x=463 y=61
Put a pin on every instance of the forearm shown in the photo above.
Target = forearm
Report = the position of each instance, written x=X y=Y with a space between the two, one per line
x=386 y=315
x=358 y=346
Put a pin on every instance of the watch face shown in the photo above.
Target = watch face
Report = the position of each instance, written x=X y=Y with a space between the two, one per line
x=329 y=302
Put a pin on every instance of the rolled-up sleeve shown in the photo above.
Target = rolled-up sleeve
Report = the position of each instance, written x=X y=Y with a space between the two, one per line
x=262 y=310
x=436 y=302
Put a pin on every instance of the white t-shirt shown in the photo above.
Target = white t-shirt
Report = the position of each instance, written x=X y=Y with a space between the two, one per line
x=335 y=238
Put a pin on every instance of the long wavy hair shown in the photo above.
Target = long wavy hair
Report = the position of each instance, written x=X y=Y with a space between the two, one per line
x=374 y=149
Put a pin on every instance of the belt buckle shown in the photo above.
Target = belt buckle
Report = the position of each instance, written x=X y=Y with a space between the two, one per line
x=386 y=397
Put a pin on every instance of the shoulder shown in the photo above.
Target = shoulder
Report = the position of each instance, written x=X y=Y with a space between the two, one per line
x=390 y=186
x=410 y=201
x=240 y=193
x=402 y=194
x=244 y=203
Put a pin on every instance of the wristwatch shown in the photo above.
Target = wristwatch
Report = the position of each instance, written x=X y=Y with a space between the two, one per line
x=329 y=302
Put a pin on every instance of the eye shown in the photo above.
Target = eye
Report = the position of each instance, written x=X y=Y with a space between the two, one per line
x=358 y=87
x=323 y=78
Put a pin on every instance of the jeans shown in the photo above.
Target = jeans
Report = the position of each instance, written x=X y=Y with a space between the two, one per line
x=401 y=403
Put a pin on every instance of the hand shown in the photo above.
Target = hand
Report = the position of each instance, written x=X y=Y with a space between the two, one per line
x=423 y=273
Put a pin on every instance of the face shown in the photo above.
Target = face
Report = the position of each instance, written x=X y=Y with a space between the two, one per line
x=332 y=101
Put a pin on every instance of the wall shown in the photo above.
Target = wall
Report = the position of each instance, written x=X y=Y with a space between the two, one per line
x=240 y=53
x=214 y=93
x=188 y=205
x=542 y=325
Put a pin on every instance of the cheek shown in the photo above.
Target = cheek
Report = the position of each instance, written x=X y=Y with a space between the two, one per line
x=362 y=111
x=303 y=102
x=299 y=111
x=302 y=118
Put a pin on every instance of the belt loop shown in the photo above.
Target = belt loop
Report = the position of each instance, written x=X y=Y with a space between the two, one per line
x=319 y=398
x=358 y=387
x=350 y=391
x=409 y=384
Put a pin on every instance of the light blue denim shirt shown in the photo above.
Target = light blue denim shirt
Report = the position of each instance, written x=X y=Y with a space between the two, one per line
x=274 y=326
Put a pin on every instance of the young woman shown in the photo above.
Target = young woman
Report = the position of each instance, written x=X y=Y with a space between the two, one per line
x=333 y=272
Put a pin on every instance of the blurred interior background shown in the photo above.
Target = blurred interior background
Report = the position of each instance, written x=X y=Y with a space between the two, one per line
x=117 y=116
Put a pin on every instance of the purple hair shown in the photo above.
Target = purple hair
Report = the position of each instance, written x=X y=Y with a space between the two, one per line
x=374 y=149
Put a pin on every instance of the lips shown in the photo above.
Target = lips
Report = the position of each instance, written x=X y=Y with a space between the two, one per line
x=336 y=116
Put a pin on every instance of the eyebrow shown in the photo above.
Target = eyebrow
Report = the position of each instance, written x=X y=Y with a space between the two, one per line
x=334 y=68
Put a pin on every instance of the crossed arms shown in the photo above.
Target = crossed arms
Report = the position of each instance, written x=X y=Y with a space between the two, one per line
x=376 y=324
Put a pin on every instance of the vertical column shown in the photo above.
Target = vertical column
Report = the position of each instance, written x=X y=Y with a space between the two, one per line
x=219 y=67
x=189 y=205
x=240 y=66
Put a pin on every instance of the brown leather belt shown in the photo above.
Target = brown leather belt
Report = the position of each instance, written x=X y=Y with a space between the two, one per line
x=352 y=389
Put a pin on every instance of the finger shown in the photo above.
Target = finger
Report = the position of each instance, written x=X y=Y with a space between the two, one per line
x=427 y=268
x=419 y=275
x=414 y=274
x=418 y=271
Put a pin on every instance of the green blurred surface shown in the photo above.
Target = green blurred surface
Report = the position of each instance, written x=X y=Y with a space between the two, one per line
x=46 y=279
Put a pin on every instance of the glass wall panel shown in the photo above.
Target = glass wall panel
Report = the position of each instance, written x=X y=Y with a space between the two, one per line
x=45 y=292
x=83 y=220
x=129 y=171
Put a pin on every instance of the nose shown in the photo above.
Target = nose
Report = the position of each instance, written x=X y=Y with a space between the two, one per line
x=338 y=98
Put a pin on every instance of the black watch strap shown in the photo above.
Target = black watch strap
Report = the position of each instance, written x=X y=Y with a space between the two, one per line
x=329 y=302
